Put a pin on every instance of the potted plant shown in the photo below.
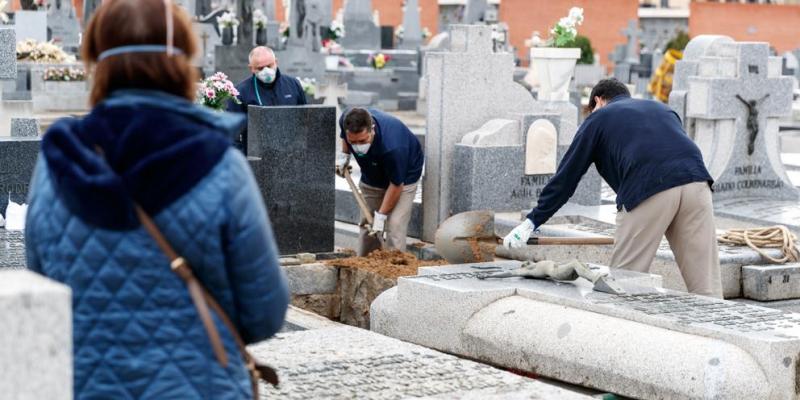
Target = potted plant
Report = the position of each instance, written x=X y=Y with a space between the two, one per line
x=260 y=22
x=555 y=63
x=215 y=92
x=228 y=22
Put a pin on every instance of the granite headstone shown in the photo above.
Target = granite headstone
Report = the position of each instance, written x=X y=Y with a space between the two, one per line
x=455 y=109
x=359 y=26
x=17 y=160
x=412 y=26
x=292 y=152
x=24 y=127
x=8 y=53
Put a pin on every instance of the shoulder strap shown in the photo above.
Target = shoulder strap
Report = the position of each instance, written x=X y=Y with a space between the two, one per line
x=203 y=300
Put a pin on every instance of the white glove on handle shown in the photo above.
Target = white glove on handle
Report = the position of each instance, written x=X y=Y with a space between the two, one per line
x=379 y=222
x=519 y=236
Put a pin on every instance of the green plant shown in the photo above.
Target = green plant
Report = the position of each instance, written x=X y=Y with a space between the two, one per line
x=679 y=42
x=587 y=53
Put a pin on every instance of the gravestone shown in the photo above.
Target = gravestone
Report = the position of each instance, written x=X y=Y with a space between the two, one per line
x=24 y=127
x=412 y=26
x=704 y=347
x=35 y=337
x=293 y=157
x=63 y=24
x=233 y=60
x=333 y=90
x=17 y=160
x=733 y=104
x=505 y=164
x=351 y=363
x=13 y=245
x=209 y=39
x=31 y=25
x=632 y=33
x=8 y=53
x=455 y=109
x=475 y=11
x=299 y=58
x=360 y=29
x=88 y=9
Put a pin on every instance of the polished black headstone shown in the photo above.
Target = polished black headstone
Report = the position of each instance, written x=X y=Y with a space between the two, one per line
x=292 y=153
x=17 y=160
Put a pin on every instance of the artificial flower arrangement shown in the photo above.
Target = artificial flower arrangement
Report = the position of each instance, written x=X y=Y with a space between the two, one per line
x=42 y=52
x=336 y=30
x=309 y=86
x=259 y=19
x=3 y=16
x=379 y=61
x=228 y=20
x=64 y=74
x=399 y=32
x=215 y=91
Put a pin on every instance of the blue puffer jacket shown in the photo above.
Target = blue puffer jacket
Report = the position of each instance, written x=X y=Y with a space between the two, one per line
x=136 y=332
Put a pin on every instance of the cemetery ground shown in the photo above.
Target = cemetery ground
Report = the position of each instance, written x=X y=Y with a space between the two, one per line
x=398 y=325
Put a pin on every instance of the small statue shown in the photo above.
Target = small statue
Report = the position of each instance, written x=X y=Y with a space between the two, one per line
x=752 y=120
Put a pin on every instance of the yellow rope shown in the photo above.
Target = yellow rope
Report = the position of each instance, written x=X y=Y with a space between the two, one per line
x=773 y=237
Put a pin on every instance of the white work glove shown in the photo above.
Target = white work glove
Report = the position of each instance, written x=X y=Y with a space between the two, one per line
x=519 y=236
x=379 y=222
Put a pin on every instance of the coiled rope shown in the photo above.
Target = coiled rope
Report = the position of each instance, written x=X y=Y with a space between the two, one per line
x=773 y=237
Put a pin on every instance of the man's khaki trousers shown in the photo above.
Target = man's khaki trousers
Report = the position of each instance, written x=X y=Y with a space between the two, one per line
x=396 y=224
x=685 y=214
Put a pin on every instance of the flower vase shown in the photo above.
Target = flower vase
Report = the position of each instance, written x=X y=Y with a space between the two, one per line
x=227 y=35
x=261 y=37
x=555 y=68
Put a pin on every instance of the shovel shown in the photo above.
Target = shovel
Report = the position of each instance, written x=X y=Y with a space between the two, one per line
x=469 y=237
x=344 y=171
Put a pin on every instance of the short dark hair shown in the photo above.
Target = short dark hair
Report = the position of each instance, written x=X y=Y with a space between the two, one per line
x=607 y=89
x=357 y=120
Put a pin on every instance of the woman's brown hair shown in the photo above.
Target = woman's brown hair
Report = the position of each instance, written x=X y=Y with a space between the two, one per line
x=138 y=22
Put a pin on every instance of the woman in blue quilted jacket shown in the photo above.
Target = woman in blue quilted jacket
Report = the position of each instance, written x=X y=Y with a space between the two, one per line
x=137 y=334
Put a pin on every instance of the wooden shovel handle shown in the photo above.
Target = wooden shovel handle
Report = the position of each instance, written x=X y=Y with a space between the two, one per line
x=544 y=240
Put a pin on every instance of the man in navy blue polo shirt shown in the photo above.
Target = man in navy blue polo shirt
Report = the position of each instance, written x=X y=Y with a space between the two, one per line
x=640 y=148
x=266 y=87
x=391 y=160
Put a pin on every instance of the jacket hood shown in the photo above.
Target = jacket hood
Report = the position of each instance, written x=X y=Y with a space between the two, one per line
x=155 y=147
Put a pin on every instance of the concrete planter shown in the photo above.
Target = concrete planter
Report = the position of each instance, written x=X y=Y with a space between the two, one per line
x=555 y=68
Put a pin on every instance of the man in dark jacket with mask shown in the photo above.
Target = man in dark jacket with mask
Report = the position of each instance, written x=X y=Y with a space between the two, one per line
x=266 y=87
x=391 y=160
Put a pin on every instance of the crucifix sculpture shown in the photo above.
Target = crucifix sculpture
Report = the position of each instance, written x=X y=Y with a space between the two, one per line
x=752 y=120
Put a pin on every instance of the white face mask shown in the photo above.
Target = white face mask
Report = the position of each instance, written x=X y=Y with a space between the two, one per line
x=361 y=149
x=266 y=75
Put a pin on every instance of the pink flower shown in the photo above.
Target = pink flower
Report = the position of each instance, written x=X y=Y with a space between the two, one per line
x=210 y=94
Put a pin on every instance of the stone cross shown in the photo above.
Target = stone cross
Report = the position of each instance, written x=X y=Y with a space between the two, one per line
x=734 y=102
x=632 y=33
x=412 y=29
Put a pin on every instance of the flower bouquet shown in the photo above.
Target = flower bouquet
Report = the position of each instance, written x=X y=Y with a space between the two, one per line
x=42 y=52
x=65 y=74
x=309 y=86
x=215 y=91
x=379 y=61
x=563 y=34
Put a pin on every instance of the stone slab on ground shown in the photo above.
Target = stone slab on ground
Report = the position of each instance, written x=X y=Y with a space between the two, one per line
x=771 y=282
x=347 y=363
x=761 y=211
x=731 y=258
x=650 y=343
x=35 y=337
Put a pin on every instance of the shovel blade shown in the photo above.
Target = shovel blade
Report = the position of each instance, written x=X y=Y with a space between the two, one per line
x=467 y=238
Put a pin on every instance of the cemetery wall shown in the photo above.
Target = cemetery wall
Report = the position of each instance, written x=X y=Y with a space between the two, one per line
x=775 y=24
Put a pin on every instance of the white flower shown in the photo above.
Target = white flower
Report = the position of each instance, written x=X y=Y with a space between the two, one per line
x=259 y=19
x=228 y=20
x=576 y=15
x=566 y=23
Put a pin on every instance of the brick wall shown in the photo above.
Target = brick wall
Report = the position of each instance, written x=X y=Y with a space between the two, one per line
x=777 y=24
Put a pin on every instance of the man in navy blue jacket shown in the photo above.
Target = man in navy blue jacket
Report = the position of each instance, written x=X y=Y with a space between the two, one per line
x=640 y=148
x=266 y=87
x=391 y=160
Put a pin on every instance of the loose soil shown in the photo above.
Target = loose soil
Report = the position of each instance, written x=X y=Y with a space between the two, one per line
x=386 y=263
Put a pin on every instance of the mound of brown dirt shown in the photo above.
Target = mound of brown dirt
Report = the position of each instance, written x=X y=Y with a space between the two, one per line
x=387 y=263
